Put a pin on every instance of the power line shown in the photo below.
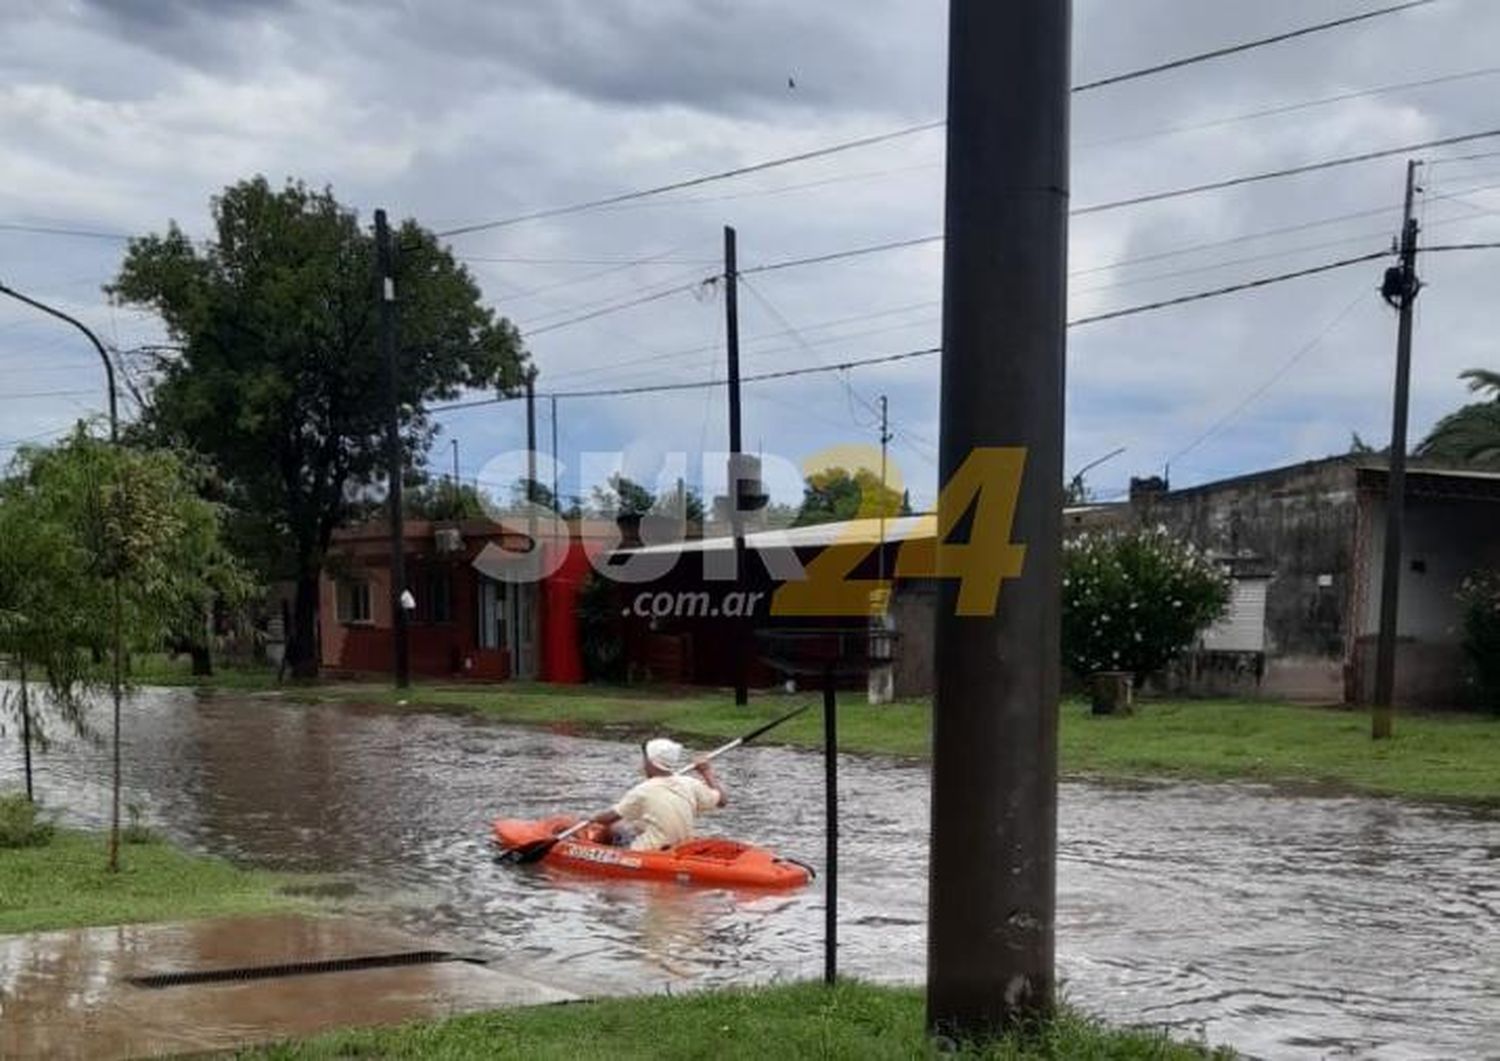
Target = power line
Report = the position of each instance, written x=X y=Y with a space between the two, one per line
x=868 y=141
x=1264 y=281
x=48 y=394
x=1152 y=197
x=616 y=307
x=57 y=230
x=692 y=182
x=1235 y=49
x=1291 y=108
x=1460 y=247
x=503 y=260
x=1274 y=378
x=1276 y=174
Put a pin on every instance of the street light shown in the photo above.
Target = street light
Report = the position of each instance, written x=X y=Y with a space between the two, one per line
x=109 y=368
x=117 y=618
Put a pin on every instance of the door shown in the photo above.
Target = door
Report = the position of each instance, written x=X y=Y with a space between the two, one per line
x=522 y=626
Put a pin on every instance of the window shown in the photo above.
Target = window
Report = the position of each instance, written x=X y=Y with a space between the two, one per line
x=353 y=601
x=439 y=597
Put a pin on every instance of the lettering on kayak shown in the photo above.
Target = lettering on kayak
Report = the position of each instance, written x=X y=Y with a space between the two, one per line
x=602 y=855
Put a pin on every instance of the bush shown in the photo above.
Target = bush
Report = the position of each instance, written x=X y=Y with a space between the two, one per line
x=1479 y=599
x=599 y=632
x=1133 y=600
x=137 y=832
x=22 y=824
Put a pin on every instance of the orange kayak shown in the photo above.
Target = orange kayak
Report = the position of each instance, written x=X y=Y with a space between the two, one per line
x=708 y=861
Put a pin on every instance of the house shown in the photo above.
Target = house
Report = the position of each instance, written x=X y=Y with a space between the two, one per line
x=1305 y=543
x=1302 y=544
x=493 y=600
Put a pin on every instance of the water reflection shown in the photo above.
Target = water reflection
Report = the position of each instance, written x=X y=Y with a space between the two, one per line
x=1308 y=925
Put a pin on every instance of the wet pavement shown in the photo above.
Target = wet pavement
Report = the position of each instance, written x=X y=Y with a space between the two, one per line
x=1287 y=925
x=70 y=994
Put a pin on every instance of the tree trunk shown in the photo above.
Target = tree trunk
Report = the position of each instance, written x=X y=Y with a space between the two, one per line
x=302 y=644
x=203 y=660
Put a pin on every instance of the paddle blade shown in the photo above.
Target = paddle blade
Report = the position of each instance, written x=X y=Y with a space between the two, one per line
x=524 y=856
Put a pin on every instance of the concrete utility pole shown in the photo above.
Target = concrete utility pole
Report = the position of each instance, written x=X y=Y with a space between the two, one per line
x=385 y=294
x=732 y=347
x=1400 y=289
x=992 y=894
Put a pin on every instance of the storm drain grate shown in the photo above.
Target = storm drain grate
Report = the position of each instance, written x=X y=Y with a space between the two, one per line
x=304 y=968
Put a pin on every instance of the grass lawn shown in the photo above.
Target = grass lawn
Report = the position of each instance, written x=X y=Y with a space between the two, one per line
x=1447 y=757
x=161 y=669
x=64 y=884
x=854 y=1021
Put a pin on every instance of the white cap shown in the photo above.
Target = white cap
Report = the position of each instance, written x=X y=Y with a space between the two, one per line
x=664 y=754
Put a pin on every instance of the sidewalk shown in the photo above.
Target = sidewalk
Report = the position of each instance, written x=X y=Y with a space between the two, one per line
x=231 y=982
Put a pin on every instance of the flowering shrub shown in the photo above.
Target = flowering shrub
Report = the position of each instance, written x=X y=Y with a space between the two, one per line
x=1479 y=597
x=1133 y=600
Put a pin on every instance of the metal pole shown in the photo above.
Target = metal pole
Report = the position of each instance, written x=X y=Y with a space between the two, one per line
x=992 y=893
x=885 y=438
x=117 y=607
x=386 y=296
x=26 y=731
x=556 y=500
x=109 y=368
x=831 y=829
x=455 y=468
x=1381 y=715
x=531 y=437
x=732 y=346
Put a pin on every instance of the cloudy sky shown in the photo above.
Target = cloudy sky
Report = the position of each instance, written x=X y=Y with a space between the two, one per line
x=118 y=115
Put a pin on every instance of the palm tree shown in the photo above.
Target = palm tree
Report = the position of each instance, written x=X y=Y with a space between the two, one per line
x=1472 y=434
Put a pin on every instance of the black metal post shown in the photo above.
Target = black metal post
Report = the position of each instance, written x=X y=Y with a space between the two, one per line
x=831 y=828
x=26 y=731
x=1381 y=717
x=117 y=605
x=732 y=347
x=994 y=771
x=386 y=295
x=531 y=437
x=109 y=368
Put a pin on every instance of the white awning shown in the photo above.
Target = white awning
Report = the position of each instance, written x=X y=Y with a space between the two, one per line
x=504 y=565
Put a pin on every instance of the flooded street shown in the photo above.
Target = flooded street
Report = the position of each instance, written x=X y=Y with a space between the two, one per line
x=1287 y=926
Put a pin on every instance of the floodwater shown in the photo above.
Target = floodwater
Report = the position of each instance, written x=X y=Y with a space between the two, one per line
x=1286 y=925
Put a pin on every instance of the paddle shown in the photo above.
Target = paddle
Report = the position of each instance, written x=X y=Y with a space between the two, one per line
x=535 y=850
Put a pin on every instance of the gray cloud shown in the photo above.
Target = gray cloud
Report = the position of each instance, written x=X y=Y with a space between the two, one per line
x=122 y=115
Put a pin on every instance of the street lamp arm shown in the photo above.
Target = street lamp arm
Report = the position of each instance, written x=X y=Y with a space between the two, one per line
x=109 y=368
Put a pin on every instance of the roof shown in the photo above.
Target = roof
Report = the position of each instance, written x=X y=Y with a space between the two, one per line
x=821 y=535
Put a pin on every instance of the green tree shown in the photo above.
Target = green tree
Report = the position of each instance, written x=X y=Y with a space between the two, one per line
x=622 y=497
x=1470 y=435
x=135 y=554
x=835 y=494
x=1479 y=600
x=445 y=500
x=1131 y=601
x=280 y=375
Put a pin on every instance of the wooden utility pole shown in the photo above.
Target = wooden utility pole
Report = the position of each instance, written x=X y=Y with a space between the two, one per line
x=1400 y=289
x=992 y=890
x=385 y=293
x=732 y=348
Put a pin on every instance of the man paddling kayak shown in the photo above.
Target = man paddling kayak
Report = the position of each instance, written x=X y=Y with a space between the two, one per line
x=661 y=810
